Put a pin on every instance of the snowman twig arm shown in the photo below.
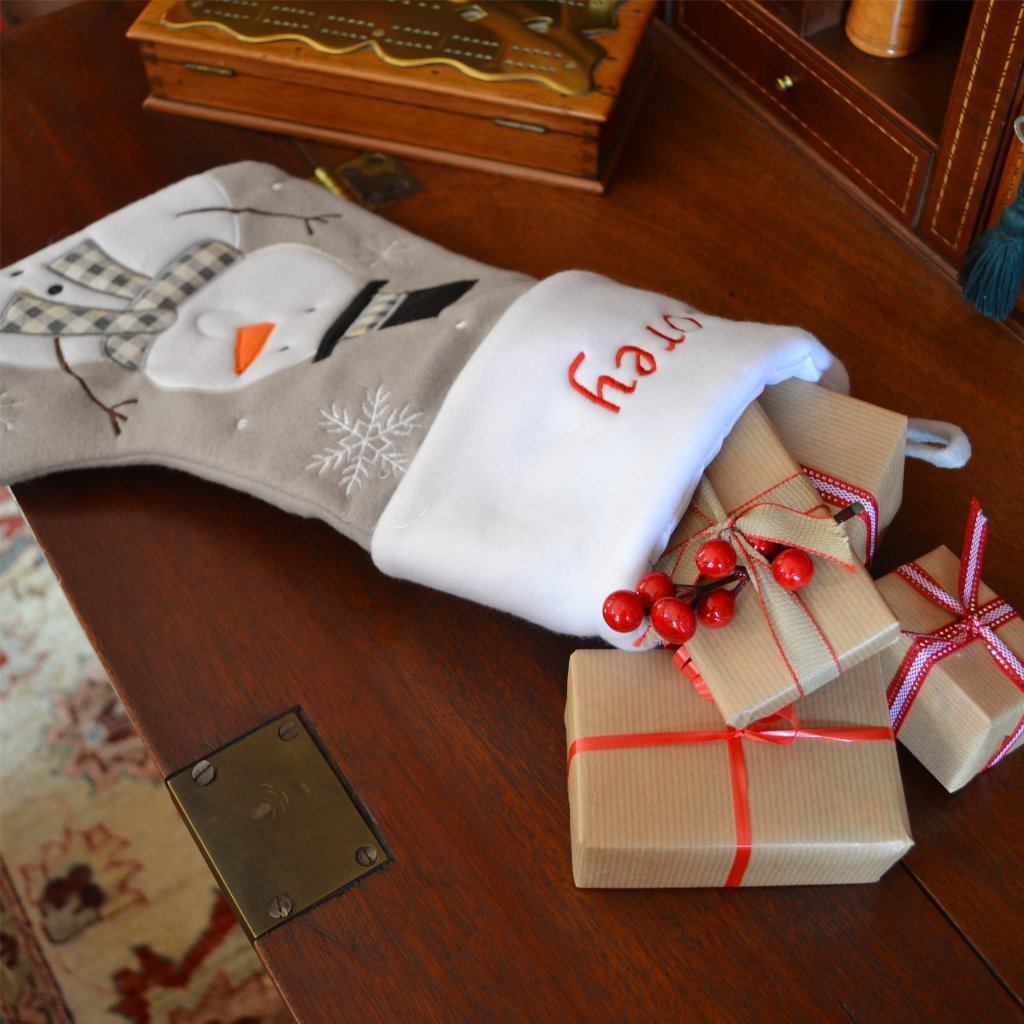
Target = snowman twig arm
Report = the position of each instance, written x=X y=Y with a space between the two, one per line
x=309 y=221
x=111 y=410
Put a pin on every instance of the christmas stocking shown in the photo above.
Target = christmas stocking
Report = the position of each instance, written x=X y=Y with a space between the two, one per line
x=528 y=445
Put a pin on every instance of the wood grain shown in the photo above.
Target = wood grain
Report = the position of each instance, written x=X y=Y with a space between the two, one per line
x=807 y=17
x=434 y=111
x=446 y=717
x=915 y=92
x=882 y=159
x=985 y=86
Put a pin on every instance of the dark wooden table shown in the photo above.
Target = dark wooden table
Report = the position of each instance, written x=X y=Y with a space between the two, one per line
x=447 y=717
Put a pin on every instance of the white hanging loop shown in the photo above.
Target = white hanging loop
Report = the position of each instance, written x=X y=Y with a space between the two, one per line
x=940 y=443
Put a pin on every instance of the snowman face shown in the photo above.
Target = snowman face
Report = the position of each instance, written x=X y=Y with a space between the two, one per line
x=265 y=313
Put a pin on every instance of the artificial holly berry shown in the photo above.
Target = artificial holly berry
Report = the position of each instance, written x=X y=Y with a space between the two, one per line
x=792 y=569
x=765 y=547
x=673 y=620
x=715 y=559
x=623 y=611
x=653 y=587
x=716 y=609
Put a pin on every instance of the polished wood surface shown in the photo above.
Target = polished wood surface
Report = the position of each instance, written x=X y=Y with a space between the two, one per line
x=447 y=717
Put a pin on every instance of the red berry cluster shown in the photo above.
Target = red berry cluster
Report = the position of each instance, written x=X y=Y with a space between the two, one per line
x=791 y=567
x=675 y=611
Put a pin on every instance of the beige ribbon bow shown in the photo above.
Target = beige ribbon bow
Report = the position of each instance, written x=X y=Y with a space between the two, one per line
x=773 y=515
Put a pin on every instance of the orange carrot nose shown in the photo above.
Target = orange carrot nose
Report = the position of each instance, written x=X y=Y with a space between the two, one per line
x=249 y=342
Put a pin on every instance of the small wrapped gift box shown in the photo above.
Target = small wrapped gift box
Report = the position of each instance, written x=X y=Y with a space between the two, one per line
x=780 y=646
x=851 y=450
x=956 y=694
x=663 y=794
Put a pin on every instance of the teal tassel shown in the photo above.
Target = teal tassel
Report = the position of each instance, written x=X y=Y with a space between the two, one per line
x=993 y=270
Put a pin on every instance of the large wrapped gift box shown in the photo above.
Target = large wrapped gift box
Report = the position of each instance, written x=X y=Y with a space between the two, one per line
x=780 y=646
x=956 y=690
x=663 y=794
x=851 y=450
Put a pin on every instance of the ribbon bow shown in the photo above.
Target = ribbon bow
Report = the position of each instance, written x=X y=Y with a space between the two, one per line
x=972 y=623
x=781 y=728
x=773 y=515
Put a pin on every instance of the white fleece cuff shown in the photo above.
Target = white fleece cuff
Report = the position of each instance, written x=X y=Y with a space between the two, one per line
x=571 y=442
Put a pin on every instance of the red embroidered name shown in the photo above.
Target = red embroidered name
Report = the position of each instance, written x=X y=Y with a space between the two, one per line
x=639 y=362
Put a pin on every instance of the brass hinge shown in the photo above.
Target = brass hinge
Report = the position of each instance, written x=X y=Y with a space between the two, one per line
x=276 y=823
x=209 y=69
x=523 y=126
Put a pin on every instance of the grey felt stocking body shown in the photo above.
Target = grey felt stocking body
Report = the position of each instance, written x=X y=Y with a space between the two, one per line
x=528 y=445
x=371 y=326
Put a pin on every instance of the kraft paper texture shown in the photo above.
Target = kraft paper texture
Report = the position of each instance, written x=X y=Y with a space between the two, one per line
x=967 y=706
x=822 y=812
x=858 y=443
x=741 y=664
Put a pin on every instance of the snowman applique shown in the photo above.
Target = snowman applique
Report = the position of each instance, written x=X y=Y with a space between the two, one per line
x=213 y=319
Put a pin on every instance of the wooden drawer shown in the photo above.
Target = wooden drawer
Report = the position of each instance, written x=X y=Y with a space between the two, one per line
x=878 y=156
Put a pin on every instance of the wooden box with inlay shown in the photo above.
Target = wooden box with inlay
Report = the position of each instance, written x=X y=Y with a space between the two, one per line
x=543 y=90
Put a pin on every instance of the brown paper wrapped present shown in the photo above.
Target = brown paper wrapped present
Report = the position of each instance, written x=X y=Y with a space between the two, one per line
x=663 y=794
x=779 y=646
x=956 y=694
x=851 y=450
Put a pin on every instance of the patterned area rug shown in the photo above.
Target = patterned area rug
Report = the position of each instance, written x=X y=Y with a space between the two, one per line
x=109 y=913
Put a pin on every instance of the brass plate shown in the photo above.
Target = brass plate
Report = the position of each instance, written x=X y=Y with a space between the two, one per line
x=275 y=824
x=547 y=41
x=377 y=180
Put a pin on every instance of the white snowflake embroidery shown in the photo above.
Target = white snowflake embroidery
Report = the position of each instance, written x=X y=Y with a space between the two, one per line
x=369 y=443
x=380 y=252
x=8 y=403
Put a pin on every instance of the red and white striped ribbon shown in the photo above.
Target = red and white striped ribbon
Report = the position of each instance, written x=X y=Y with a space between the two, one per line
x=971 y=623
x=838 y=493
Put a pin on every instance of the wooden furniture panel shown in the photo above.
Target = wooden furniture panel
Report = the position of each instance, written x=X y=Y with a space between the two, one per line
x=915 y=91
x=878 y=155
x=805 y=17
x=446 y=717
x=455 y=743
x=1009 y=179
x=983 y=98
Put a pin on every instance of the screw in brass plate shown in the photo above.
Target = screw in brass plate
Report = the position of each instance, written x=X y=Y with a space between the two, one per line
x=280 y=906
x=203 y=773
x=366 y=855
x=288 y=730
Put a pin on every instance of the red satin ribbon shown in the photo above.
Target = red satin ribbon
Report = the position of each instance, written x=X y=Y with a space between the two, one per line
x=682 y=660
x=765 y=730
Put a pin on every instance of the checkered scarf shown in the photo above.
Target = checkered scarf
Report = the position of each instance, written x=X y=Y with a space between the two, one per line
x=152 y=302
